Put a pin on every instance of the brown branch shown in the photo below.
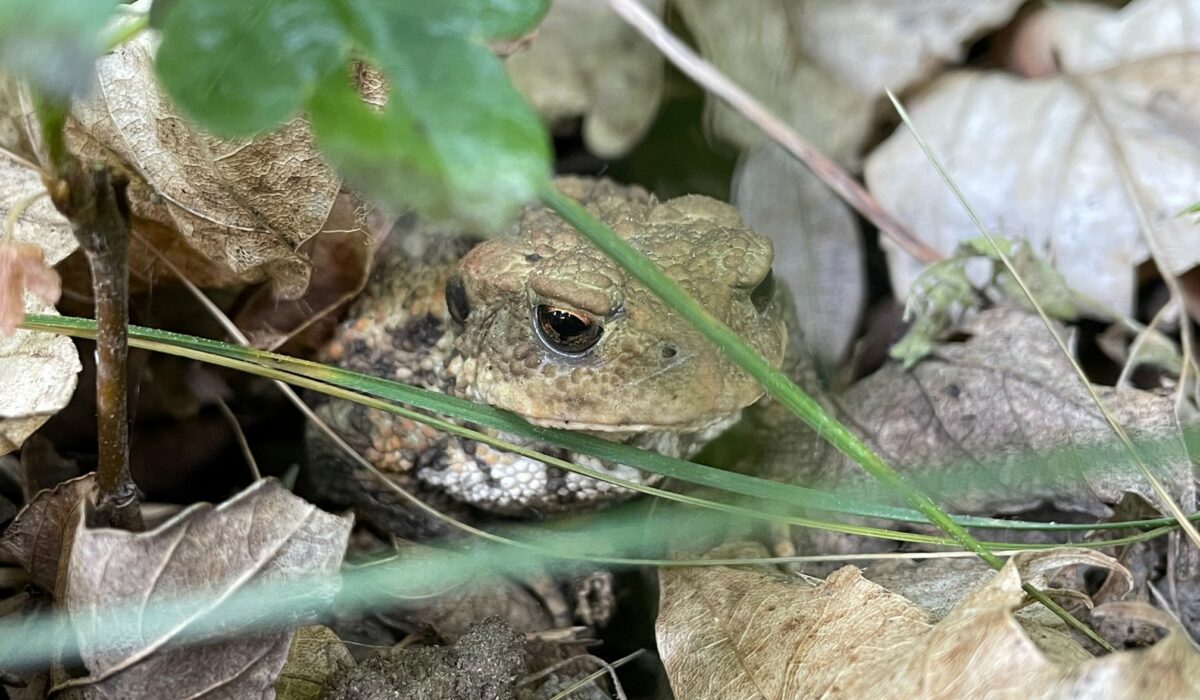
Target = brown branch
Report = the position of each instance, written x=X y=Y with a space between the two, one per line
x=94 y=200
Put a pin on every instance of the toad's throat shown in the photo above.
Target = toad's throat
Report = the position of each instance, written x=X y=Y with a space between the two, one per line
x=514 y=484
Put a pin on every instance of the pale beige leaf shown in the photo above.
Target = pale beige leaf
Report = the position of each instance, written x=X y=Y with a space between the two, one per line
x=873 y=44
x=758 y=45
x=1079 y=36
x=247 y=205
x=822 y=65
x=818 y=252
x=1035 y=162
x=728 y=633
x=1169 y=669
x=37 y=370
x=201 y=556
x=585 y=62
x=38 y=222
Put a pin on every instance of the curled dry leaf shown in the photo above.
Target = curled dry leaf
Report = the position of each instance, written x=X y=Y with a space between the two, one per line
x=132 y=597
x=37 y=370
x=42 y=532
x=1036 y=158
x=585 y=62
x=818 y=252
x=731 y=633
x=822 y=65
x=999 y=423
x=341 y=258
x=246 y=205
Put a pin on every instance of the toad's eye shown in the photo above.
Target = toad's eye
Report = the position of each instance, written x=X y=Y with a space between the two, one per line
x=456 y=299
x=565 y=331
x=762 y=295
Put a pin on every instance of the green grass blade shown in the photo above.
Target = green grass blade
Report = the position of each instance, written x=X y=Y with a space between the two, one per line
x=754 y=487
x=774 y=381
x=779 y=385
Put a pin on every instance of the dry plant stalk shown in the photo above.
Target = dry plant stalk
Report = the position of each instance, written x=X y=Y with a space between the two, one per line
x=93 y=198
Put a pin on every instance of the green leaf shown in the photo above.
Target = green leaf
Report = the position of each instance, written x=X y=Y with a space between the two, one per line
x=455 y=139
x=240 y=67
x=53 y=44
x=492 y=19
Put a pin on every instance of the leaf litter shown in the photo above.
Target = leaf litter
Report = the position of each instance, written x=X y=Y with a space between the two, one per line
x=735 y=633
x=190 y=564
x=940 y=414
x=1053 y=180
x=232 y=200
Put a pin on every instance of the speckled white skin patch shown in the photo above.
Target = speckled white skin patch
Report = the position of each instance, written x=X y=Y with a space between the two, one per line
x=512 y=483
x=645 y=376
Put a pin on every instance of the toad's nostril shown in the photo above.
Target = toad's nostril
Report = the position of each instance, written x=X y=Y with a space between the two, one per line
x=668 y=351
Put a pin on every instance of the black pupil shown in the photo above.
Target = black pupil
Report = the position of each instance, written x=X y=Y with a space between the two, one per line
x=456 y=299
x=762 y=295
x=566 y=331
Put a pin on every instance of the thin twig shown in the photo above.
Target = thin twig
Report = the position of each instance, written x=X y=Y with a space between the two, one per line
x=712 y=80
x=95 y=201
x=241 y=437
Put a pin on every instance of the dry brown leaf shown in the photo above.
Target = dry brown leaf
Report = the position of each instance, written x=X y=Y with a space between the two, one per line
x=975 y=423
x=729 y=633
x=42 y=531
x=316 y=654
x=262 y=535
x=1034 y=157
x=341 y=257
x=246 y=205
x=818 y=252
x=822 y=65
x=585 y=62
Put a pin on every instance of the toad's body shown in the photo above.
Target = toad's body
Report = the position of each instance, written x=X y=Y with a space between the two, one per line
x=541 y=323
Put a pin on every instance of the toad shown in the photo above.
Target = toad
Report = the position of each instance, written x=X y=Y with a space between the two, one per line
x=541 y=323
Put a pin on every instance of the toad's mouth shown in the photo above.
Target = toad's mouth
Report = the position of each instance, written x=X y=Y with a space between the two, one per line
x=704 y=428
x=664 y=440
